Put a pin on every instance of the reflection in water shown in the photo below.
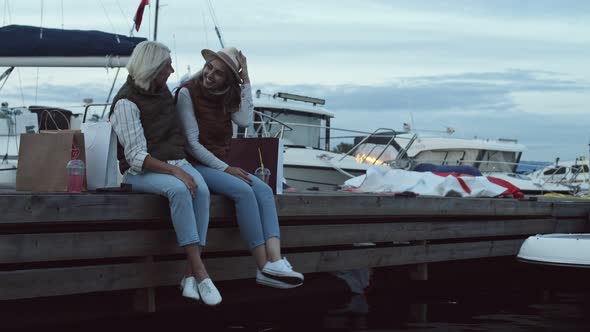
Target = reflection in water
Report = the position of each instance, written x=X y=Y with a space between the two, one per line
x=481 y=295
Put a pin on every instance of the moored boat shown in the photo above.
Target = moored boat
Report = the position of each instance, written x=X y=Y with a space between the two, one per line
x=557 y=249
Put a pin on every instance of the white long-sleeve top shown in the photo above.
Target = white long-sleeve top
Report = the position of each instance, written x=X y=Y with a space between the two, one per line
x=127 y=125
x=190 y=127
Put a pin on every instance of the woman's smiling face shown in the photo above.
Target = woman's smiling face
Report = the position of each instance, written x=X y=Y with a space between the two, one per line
x=214 y=74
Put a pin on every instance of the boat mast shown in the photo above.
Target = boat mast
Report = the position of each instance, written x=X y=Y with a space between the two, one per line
x=156 y=20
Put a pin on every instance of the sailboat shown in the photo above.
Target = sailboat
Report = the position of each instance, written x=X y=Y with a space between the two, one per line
x=46 y=47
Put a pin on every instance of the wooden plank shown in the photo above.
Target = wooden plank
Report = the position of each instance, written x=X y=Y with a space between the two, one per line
x=389 y=205
x=93 y=207
x=84 y=279
x=21 y=248
x=577 y=208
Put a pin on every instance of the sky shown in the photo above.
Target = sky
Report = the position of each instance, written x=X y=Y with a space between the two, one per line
x=488 y=69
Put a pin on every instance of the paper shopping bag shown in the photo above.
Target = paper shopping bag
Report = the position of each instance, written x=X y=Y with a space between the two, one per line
x=243 y=153
x=43 y=157
x=101 y=155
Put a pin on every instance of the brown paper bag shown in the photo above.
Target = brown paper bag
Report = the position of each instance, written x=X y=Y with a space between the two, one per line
x=243 y=153
x=42 y=160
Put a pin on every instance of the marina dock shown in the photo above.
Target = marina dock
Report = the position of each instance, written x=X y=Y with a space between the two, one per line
x=54 y=244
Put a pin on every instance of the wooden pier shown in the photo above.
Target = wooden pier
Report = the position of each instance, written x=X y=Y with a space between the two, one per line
x=62 y=244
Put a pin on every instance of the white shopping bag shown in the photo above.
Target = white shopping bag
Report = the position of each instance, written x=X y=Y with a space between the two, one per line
x=101 y=155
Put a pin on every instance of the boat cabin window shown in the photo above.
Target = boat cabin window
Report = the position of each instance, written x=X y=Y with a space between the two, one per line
x=580 y=168
x=306 y=126
x=498 y=161
x=552 y=171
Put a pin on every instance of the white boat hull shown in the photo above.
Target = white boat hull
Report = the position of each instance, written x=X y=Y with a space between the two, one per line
x=317 y=178
x=557 y=249
x=312 y=169
x=530 y=186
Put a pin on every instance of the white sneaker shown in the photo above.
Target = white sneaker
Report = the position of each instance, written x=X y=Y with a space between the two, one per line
x=209 y=293
x=188 y=285
x=283 y=271
x=261 y=279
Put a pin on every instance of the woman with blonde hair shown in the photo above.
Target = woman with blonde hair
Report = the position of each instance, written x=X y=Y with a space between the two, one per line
x=208 y=103
x=152 y=158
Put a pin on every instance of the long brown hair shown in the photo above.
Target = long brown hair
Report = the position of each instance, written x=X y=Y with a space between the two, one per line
x=232 y=94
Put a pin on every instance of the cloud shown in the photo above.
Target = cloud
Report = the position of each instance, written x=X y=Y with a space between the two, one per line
x=477 y=91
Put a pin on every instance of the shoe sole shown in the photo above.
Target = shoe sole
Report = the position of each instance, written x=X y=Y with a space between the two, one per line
x=275 y=284
x=211 y=305
x=283 y=278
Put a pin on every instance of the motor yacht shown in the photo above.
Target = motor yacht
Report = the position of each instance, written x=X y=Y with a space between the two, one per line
x=309 y=164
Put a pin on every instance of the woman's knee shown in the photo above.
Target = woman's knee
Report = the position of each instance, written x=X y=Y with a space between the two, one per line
x=262 y=188
x=236 y=188
x=203 y=191
x=176 y=189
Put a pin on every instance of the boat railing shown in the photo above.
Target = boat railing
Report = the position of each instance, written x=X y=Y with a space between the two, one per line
x=264 y=125
x=569 y=177
x=387 y=133
x=289 y=126
x=263 y=131
x=95 y=117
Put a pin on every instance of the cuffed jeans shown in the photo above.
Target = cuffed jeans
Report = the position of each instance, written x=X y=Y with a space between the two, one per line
x=190 y=216
x=256 y=211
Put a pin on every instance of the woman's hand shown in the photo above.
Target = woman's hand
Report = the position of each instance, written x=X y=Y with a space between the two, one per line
x=244 y=65
x=187 y=179
x=239 y=173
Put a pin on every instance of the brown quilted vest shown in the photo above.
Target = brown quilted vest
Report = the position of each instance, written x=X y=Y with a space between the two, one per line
x=159 y=120
x=215 y=126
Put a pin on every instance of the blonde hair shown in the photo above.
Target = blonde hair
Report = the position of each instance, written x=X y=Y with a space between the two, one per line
x=146 y=61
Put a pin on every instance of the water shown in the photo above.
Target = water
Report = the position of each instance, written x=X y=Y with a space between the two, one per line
x=483 y=295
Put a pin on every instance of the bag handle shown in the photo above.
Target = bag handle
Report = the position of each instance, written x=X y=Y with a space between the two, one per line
x=49 y=115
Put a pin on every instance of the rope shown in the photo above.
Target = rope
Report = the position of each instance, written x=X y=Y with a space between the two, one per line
x=176 y=58
x=20 y=83
x=215 y=23
x=62 y=14
x=41 y=24
x=49 y=115
x=5 y=12
x=37 y=85
x=109 y=19
x=124 y=16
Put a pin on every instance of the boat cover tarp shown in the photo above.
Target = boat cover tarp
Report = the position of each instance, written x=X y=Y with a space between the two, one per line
x=30 y=41
x=383 y=179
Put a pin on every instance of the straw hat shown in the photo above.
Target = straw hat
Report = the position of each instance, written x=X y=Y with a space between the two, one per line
x=229 y=55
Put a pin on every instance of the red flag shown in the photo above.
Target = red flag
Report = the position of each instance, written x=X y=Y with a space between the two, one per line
x=139 y=13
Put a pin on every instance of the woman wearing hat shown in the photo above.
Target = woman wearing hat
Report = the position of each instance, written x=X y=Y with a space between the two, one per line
x=152 y=158
x=208 y=103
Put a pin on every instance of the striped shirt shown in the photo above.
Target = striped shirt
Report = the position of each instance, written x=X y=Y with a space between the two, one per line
x=127 y=125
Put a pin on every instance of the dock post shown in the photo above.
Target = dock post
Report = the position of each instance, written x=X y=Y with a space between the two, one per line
x=419 y=311
x=144 y=299
x=419 y=271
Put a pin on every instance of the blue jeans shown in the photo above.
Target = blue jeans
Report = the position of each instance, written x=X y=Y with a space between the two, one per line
x=190 y=216
x=256 y=211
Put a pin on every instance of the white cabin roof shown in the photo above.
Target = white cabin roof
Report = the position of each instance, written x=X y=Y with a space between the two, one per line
x=451 y=143
x=267 y=101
